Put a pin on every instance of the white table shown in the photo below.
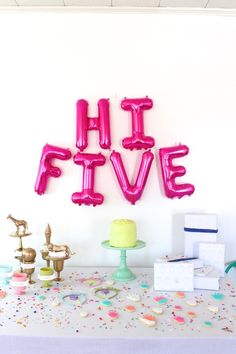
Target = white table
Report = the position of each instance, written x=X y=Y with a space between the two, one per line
x=30 y=324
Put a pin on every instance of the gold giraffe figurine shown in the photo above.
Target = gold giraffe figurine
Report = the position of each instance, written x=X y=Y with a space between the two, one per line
x=19 y=223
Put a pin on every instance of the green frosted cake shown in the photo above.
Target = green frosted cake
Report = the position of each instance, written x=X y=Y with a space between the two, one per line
x=123 y=233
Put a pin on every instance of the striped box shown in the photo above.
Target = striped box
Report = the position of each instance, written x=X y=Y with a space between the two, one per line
x=199 y=228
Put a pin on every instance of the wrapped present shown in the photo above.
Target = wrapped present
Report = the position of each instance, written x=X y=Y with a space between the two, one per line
x=199 y=228
x=173 y=276
x=206 y=278
x=213 y=254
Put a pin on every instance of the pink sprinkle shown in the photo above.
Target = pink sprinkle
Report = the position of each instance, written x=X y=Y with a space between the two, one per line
x=113 y=314
x=56 y=289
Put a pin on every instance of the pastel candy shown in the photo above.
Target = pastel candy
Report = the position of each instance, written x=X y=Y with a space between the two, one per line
x=41 y=297
x=178 y=308
x=180 y=294
x=148 y=320
x=144 y=286
x=130 y=308
x=134 y=297
x=218 y=296
x=191 y=302
x=212 y=308
x=161 y=300
x=191 y=314
x=83 y=314
x=157 y=310
x=2 y=294
x=56 y=302
x=106 y=303
x=208 y=324
x=113 y=314
x=179 y=319
x=110 y=282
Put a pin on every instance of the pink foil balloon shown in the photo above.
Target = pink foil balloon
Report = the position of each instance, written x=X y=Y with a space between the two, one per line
x=89 y=162
x=101 y=123
x=46 y=169
x=170 y=172
x=132 y=192
x=138 y=140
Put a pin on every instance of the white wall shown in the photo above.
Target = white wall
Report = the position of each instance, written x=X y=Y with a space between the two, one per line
x=184 y=61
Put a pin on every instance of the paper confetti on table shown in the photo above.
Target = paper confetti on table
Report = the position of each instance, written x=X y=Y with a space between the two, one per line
x=39 y=309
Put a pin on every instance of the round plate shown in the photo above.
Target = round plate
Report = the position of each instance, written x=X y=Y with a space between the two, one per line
x=139 y=244
x=14 y=234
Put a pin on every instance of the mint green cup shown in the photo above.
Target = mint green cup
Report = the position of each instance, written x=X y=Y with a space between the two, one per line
x=5 y=274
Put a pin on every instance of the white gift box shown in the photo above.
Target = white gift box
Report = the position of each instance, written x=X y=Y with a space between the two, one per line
x=199 y=228
x=173 y=276
x=208 y=282
x=213 y=254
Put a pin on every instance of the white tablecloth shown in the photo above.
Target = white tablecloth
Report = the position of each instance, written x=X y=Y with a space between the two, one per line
x=30 y=324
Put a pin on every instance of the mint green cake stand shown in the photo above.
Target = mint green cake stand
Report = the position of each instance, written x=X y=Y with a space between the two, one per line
x=123 y=273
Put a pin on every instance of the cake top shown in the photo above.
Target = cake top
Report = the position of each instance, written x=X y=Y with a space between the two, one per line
x=122 y=221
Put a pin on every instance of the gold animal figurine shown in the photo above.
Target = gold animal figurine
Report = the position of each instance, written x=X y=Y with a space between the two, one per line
x=58 y=260
x=19 y=223
x=60 y=248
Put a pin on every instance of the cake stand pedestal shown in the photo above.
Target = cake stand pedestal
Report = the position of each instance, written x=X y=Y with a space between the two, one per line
x=123 y=273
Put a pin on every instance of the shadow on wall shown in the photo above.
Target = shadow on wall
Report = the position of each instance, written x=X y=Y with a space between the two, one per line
x=177 y=234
